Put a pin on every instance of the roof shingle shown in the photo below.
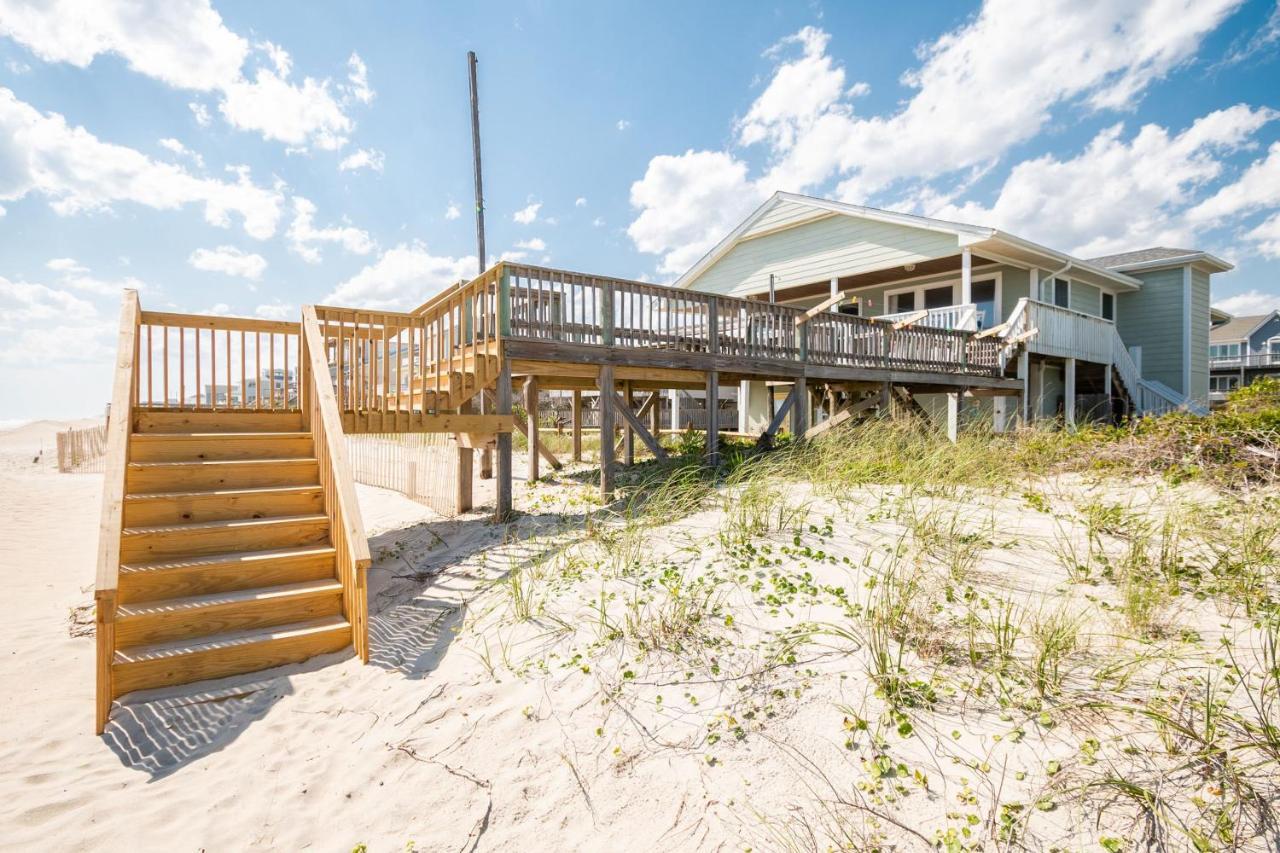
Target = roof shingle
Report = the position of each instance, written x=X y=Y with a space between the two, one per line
x=1155 y=253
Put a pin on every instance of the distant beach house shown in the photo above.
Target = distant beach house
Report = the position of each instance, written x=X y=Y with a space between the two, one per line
x=1128 y=328
x=1242 y=349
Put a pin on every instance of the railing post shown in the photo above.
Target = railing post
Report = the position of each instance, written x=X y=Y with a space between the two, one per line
x=606 y=313
x=504 y=302
x=713 y=326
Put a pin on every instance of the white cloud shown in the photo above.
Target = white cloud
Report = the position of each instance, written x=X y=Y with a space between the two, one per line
x=623 y=124
x=173 y=145
x=358 y=77
x=1117 y=193
x=580 y=202
x=17 y=68
x=275 y=311
x=528 y=214
x=304 y=235
x=281 y=111
x=78 y=172
x=688 y=203
x=533 y=244
x=186 y=45
x=1257 y=188
x=46 y=327
x=77 y=276
x=1266 y=237
x=229 y=260
x=1249 y=303
x=363 y=158
x=598 y=222
x=401 y=278
x=200 y=112
x=452 y=211
x=1256 y=42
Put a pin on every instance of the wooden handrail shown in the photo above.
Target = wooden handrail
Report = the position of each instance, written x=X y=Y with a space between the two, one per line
x=820 y=307
x=119 y=424
x=346 y=525
x=217 y=321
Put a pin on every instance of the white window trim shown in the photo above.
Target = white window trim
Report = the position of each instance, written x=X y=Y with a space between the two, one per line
x=974 y=278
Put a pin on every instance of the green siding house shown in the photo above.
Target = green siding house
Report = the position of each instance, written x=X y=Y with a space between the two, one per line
x=1088 y=337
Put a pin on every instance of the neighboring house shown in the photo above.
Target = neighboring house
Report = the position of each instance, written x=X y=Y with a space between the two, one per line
x=1123 y=332
x=1241 y=349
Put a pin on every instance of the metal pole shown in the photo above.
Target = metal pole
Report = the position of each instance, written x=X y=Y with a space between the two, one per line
x=475 y=148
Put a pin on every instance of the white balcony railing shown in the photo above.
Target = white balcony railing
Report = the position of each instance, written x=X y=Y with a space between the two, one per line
x=1233 y=362
x=964 y=318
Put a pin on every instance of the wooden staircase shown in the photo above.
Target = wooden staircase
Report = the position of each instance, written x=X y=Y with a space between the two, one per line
x=226 y=565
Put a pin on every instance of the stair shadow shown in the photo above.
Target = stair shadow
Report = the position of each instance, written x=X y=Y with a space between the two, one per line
x=158 y=732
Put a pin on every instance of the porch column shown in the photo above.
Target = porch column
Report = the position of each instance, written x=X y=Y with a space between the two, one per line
x=966 y=277
x=800 y=410
x=835 y=290
x=1069 y=393
x=953 y=416
x=753 y=407
x=1033 y=283
x=675 y=409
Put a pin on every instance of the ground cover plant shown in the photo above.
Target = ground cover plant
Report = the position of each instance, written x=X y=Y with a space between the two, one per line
x=1040 y=640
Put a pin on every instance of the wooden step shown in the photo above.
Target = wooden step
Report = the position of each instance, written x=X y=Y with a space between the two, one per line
x=157 y=508
x=187 y=576
x=146 y=544
x=150 y=622
x=145 y=421
x=144 y=477
x=211 y=446
x=186 y=661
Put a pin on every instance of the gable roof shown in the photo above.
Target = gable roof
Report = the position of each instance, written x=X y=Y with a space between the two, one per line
x=966 y=235
x=1158 y=256
x=1239 y=328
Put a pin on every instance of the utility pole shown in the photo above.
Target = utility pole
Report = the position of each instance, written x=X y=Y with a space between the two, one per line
x=475 y=149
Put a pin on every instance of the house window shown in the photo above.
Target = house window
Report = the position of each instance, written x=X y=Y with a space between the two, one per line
x=1108 y=306
x=902 y=302
x=1273 y=351
x=1222 y=384
x=1062 y=293
x=850 y=308
x=1224 y=351
x=937 y=297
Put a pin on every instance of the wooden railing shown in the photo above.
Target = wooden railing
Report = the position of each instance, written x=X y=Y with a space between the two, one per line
x=557 y=305
x=1065 y=333
x=391 y=369
x=963 y=317
x=346 y=526
x=207 y=363
x=119 y=423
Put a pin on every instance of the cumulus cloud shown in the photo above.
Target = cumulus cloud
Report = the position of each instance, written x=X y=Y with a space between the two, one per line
x=580 y=201
x=1249 y=303
x=305 y=237
x=37 y=321
x=185 y=44
x=275 y=311
x=529 y=214
x=229 y=260
x=363 y=158
x=533 y=244
x=42 y=154
x=452 y=211
x=73 y=274
x=1023 y=59
x=402 y=277
x=176 y=147
x=623 y=124
x=1119 y=192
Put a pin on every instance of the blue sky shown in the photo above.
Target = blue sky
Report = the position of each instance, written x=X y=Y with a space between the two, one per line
x=248 y=158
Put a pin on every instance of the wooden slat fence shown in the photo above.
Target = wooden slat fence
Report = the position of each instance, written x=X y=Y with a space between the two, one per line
x=421 y=466
x=82 y=450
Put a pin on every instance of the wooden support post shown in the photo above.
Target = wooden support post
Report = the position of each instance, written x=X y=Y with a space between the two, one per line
x=502 y=406
x=655 y=414
x=713 y=418
x=966 y=277
x=675 y=409
x=462 y=495
x=800 y=409
x=486 y=454
x=628 y=436
x=577 y=426
x=1024 y=373
x=605 y=383
x=531 y=411
x=953 y=417
x=1069 y=393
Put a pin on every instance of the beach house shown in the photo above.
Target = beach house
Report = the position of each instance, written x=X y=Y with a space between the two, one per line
x=1242 y=349
x=1124 y=333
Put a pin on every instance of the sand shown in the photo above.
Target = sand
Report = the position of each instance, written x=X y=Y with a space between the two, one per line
x=494 y=717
